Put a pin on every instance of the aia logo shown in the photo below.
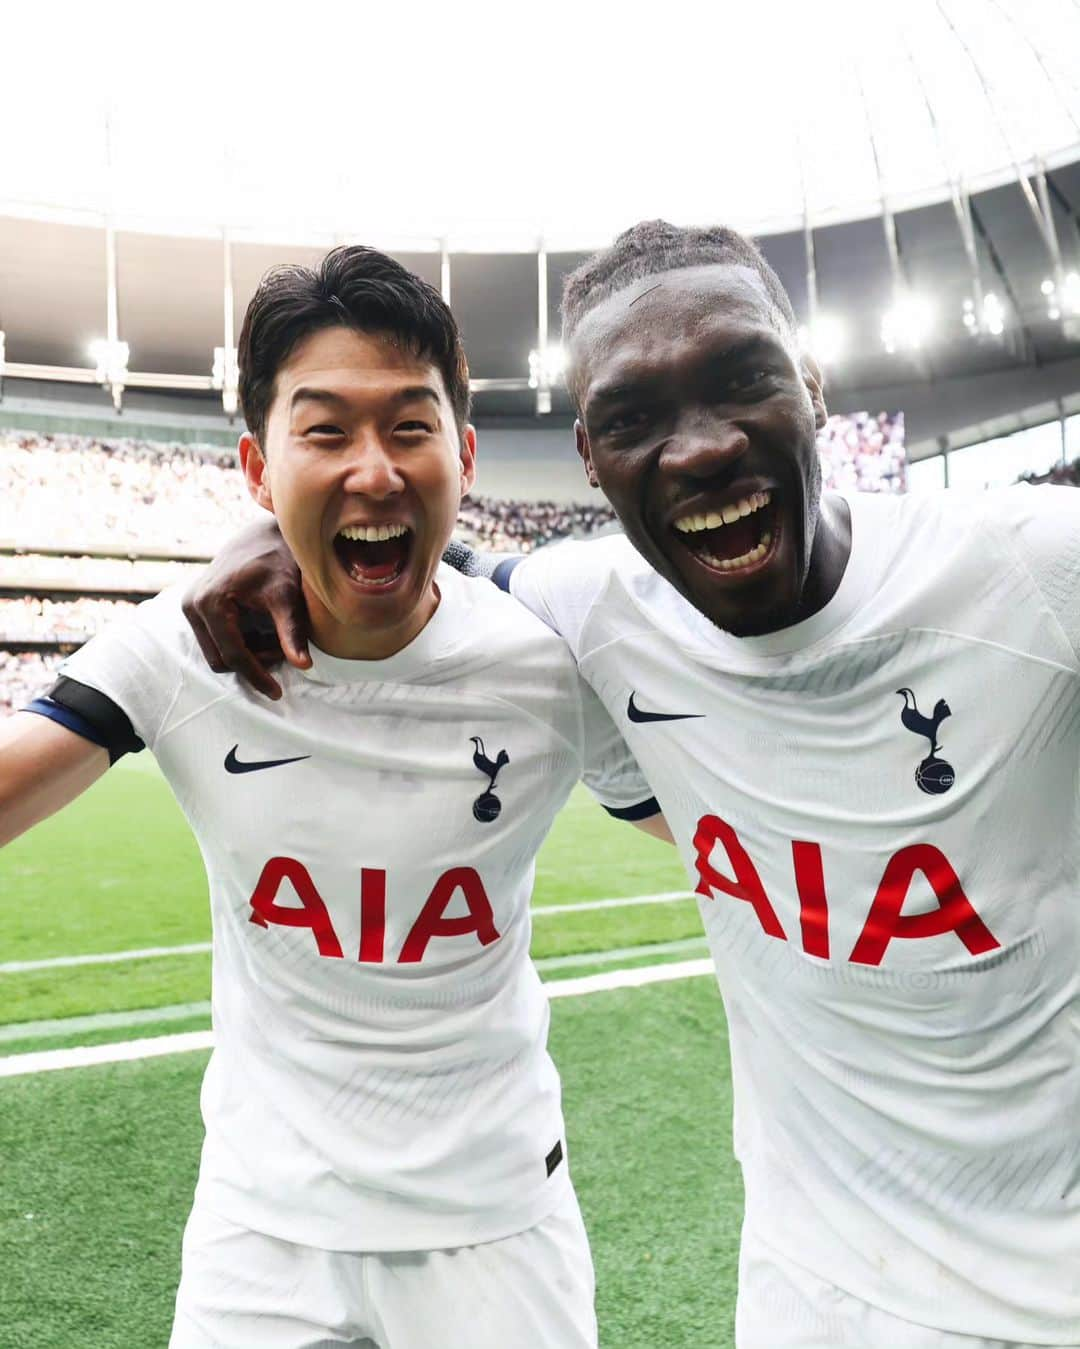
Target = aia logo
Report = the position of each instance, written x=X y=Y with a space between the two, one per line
x=933 y=775
x=487 y=805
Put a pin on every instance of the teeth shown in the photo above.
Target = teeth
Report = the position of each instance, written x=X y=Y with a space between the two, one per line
x=372 y=533
x=734 y=563
x=727 y=515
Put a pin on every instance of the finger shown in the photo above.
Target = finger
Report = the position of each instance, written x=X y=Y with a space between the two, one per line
x=290 y=624
x=241 y=661
x=207 y=645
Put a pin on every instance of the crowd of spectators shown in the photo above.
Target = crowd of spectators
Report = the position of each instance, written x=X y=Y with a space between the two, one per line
x=29 y=618
x=24 y=675
x=121 y=493
x=864 y=452
x=520 y=526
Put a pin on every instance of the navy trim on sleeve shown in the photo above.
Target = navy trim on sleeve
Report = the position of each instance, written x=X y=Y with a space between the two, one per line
x=501 y=574
x=45 y=707
x=644 y=810
x=91 y=714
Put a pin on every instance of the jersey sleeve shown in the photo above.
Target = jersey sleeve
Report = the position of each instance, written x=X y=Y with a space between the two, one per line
x=1044 y=524
x=611 y=772
x=135 y=666
x=559 y=584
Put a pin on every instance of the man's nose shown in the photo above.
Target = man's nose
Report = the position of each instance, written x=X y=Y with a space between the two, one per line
x=703 y=447
x=372 y=470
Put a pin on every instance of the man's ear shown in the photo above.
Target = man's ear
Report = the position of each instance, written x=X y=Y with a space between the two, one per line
x=581 y=438
x=815 y=384
x=253 y=463
x=468 y=459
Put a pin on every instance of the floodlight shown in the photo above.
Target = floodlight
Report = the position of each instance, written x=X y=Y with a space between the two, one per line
x=1063 y=300
x=546 y=367
x=825 y=338
x=907 y=324
x=110 y=361
x=225 y=376
x=986 y=321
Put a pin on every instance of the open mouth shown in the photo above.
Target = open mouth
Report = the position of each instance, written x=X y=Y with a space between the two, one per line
x=739 y=536
x=373 y=556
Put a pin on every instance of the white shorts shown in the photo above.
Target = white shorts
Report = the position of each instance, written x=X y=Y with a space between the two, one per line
x=783 y=1306
x=242 y=1290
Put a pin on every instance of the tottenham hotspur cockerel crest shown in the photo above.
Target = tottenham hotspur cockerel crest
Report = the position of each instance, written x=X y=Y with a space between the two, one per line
x=933 y=775
x=487 y=805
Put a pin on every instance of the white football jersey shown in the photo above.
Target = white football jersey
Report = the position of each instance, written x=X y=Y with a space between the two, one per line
x=879 y=810
x=380 y=1079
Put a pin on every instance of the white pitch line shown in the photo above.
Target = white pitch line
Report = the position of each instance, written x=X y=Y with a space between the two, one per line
x=202 y=947
x=17 y=1031
x=105 y=957
x=668 y=897
x=75 y=1025
x=84 y=1056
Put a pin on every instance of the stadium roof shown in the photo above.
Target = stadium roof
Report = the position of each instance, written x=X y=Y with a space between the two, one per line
x=491 y=124
x=859 y=140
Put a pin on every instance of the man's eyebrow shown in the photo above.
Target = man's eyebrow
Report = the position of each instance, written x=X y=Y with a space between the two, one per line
x=406 y=395
x=627 y=386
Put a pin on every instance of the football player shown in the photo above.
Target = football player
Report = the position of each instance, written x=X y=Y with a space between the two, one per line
x=861 y=717
x=384 y=1161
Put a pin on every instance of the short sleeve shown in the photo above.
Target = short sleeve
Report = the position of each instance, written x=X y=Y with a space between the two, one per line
x=562 y=582
x=611 y=772
x=135 y=665
x=1044 y=523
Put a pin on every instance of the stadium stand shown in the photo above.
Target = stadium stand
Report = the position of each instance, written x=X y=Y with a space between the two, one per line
x=88 y=527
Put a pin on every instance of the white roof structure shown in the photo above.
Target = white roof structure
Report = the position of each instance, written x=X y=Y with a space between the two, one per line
x=492 y=126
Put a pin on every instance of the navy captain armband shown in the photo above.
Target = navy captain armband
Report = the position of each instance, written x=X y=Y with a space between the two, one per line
x=644 y=810
x=90 y=714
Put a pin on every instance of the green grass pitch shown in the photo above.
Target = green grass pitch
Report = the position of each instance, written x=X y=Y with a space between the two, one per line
x=100 y=1162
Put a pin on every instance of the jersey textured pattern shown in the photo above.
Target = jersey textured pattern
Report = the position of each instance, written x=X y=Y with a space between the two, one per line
x=380 y=1079
x=878 y=808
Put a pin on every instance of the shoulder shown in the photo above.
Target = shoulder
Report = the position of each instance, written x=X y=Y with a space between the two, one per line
x=563 y=583
x=583 y=564
x=491 y=621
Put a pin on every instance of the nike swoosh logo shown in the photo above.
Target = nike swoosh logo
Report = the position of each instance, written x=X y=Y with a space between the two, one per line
x=233 y=764
x=635 y=714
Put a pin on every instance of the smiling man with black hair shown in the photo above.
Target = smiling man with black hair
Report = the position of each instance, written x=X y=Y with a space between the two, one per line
x=384 y=1163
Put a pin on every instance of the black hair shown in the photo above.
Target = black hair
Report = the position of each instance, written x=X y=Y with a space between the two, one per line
x=655 y=246
x=353 y=287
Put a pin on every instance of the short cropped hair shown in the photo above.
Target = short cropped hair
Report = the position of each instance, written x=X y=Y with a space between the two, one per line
x=656 y=246
x=353 y=287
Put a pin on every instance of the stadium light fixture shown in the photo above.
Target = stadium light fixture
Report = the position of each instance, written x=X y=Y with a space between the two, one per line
x=987 y=319
x=1063 y=302
x=225 y=377
x=825 y=337
x=906 y=326
x=110 y=359
x=546 y=367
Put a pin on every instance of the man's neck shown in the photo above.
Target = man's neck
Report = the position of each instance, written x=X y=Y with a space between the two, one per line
x=352 y=641
x=828 y=561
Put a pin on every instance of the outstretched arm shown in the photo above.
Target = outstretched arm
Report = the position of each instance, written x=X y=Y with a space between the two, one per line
x=43 y=767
